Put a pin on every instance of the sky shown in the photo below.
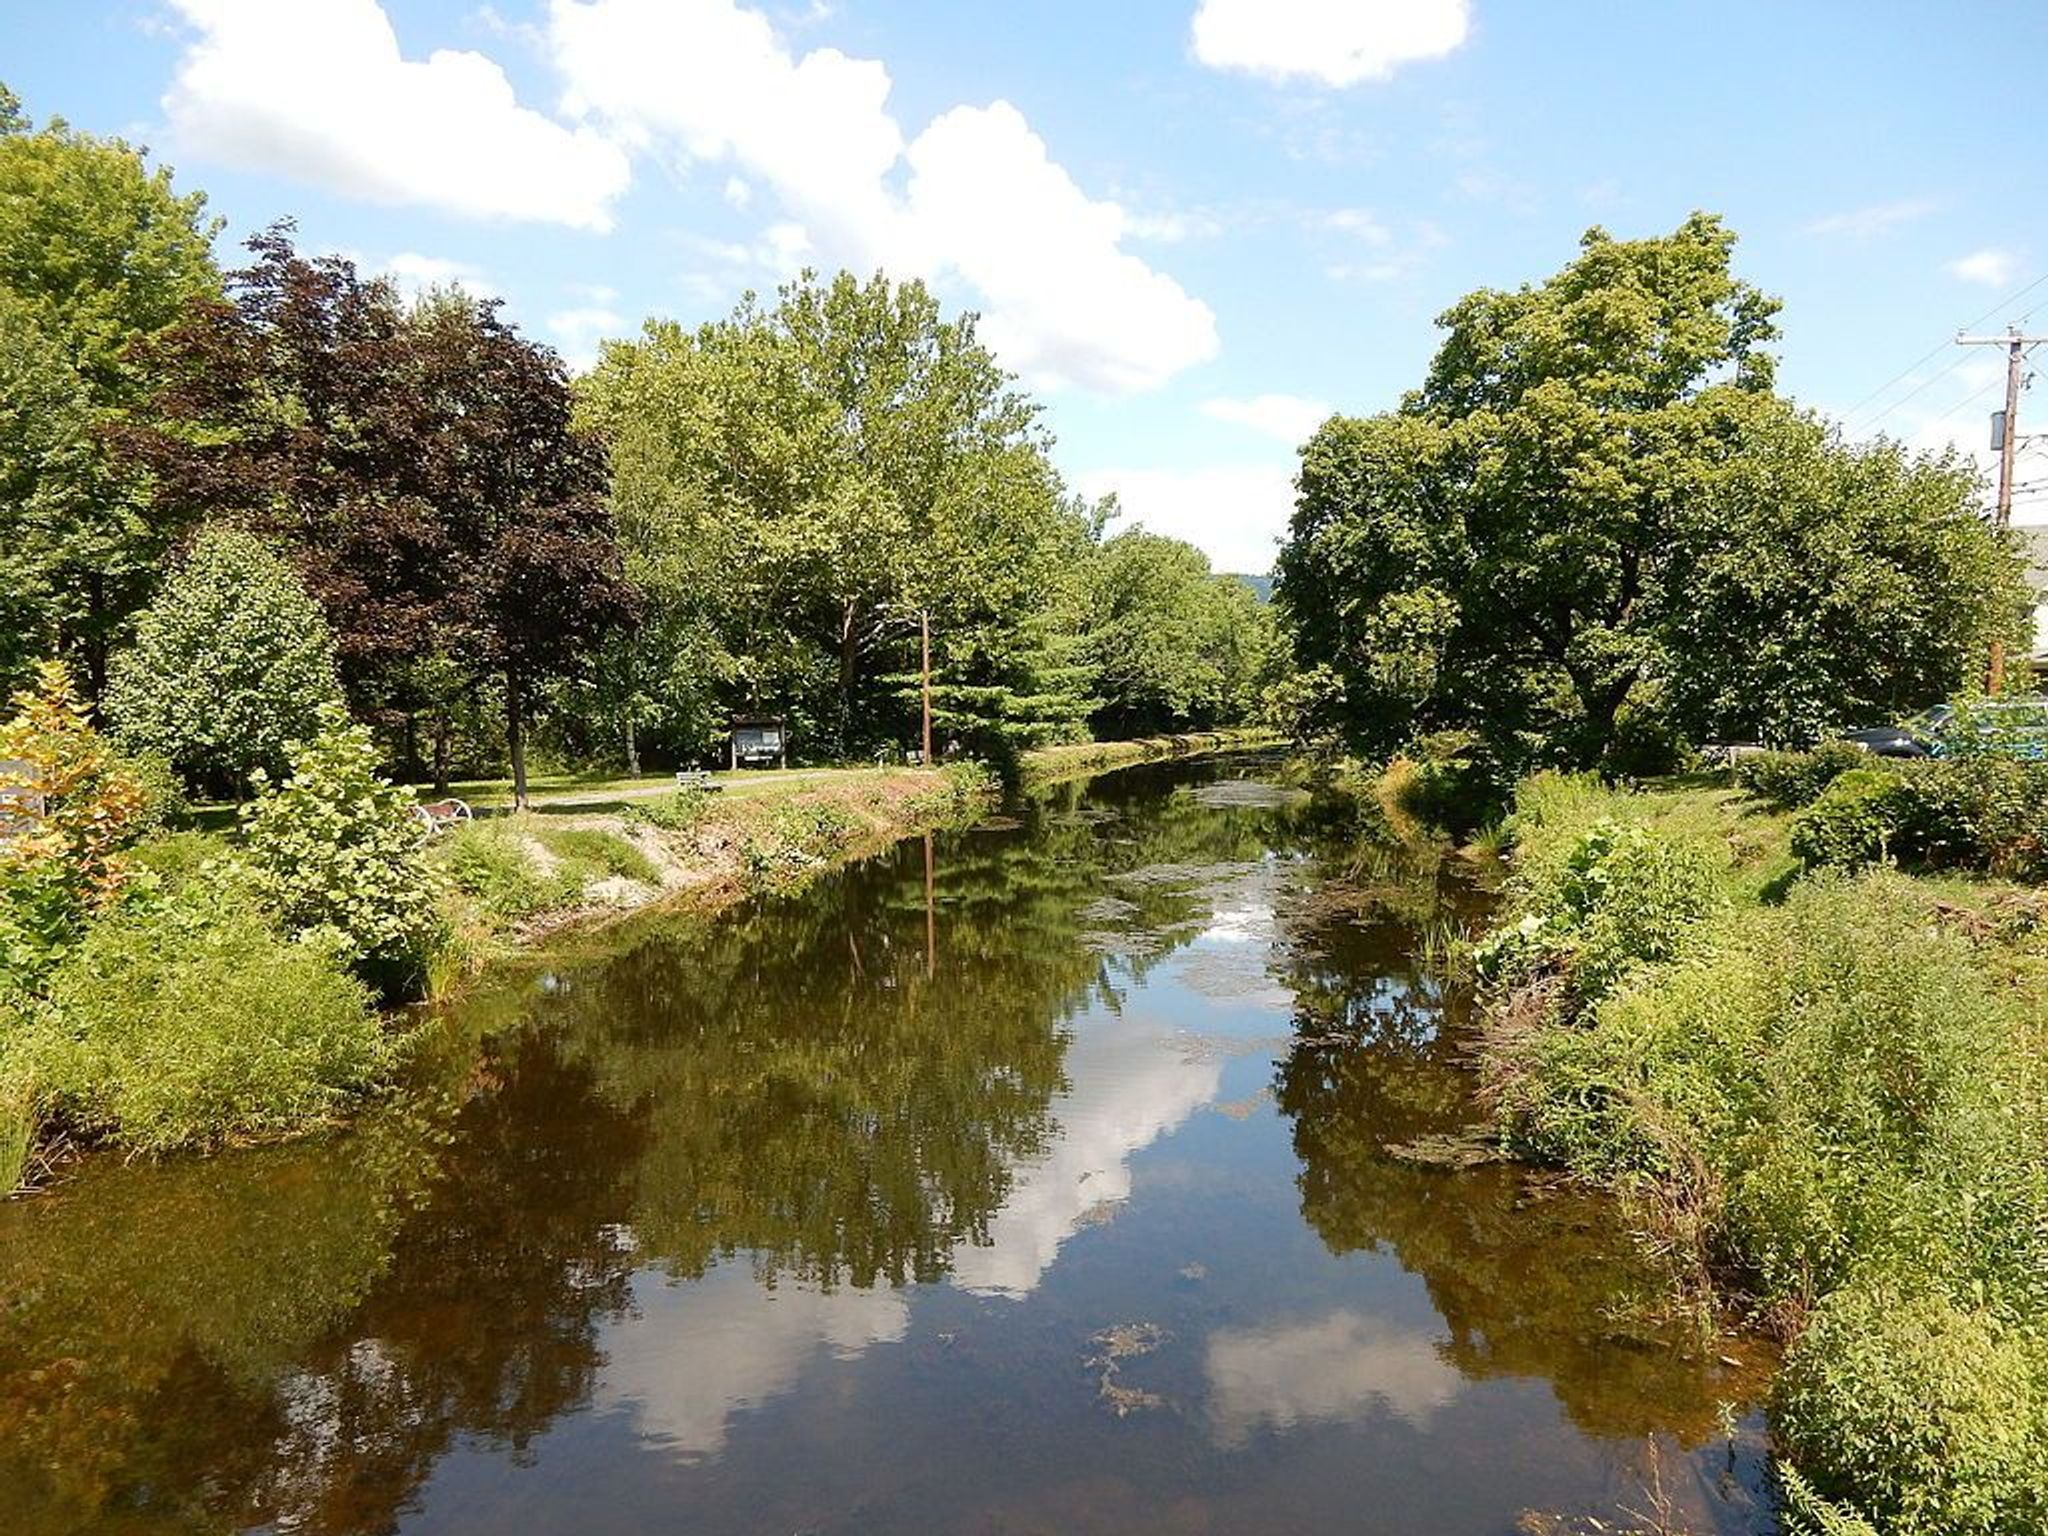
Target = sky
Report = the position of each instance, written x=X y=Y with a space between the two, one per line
x=1192 y=227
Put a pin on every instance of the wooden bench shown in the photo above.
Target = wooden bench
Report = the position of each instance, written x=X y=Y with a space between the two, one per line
x=698 y=779
x=438 y=815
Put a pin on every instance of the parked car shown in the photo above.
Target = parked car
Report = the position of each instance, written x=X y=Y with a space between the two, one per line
x=2016 y=726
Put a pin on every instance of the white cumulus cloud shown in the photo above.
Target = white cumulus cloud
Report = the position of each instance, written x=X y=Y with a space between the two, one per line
x=1333 y=42
x=415 y=273
x=1235 y=514
x=578 y=330
x=1866 y=222
x=975 y=196
x=318 y=90
x=1992 y=267
x=1290 y=419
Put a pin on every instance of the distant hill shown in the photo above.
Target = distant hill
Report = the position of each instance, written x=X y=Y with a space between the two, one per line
x=1262 y=585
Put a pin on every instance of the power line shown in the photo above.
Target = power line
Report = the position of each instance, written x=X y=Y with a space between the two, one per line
x=1936 y=351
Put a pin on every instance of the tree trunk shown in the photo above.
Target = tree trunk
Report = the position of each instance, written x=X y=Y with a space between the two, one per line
x=515 y=737
x=412 y=744
x=849 y=670
x=632 y=747
x=441 y=733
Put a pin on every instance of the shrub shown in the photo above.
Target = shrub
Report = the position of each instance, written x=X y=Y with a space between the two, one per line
x=231 y=664
x=1925 y=1418
x=677 y=811
x=189 y=1020
x=796 y=839
x=73 y=808
x=1620 y=898
x=1853 y=821
x=1980 y=811
x=1791 y=780
x=337 y=852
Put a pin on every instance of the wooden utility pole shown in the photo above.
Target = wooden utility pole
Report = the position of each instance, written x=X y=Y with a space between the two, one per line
x=2015 y=346
x=924 y=628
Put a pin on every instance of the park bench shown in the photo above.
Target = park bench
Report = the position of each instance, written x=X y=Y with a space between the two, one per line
x=697 y=778
x=438 y=815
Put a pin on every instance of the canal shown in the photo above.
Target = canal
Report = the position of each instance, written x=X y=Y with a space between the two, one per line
x=1034 y=1178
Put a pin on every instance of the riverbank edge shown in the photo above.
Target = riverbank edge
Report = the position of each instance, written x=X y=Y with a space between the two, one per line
x=1860 y=1388
x=740 y=847
x=708 y=864
x=1047 y=766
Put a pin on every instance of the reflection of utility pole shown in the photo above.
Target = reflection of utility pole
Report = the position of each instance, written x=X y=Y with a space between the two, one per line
x=924 y=628
x=2005 y=438
x=931 y=914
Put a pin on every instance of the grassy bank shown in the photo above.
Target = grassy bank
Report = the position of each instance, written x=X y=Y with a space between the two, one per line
x=1824 y=1092
x=1077 y=760
x=215 y=986
x=510 y=880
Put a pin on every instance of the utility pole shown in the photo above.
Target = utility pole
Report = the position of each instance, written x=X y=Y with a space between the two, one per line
x=2015 y=346
x=924 y=628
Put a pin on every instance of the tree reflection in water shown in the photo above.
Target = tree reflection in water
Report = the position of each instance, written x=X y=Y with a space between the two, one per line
x=744 y=1137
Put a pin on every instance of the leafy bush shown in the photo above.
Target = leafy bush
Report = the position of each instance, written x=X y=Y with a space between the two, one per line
x=1853 y=821
x=188 y=1020
x=1924 y=1417
x=231 y=664
x=1448 y=782
x=1621 y=897
x=1840 y=1103
x=165 y=805
x=337 y=852
x=1791 y=780
x=677 y=811
x=1981 y=811
x=795 y=840
x=72 y=809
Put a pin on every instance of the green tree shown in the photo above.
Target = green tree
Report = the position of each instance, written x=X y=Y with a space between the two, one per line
x=98 y=250
x=1568 y=538
x=1173 y=646
x=422 y=465
x=800 y=488
x=231 y=662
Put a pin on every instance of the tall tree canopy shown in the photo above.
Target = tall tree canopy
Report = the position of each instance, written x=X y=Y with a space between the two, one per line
x=97 y=251
x=1173 y=646
x=1574 y=535
x=421 y=464
x=799 y=486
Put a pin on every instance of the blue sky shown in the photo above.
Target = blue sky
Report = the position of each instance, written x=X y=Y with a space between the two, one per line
x=1192 y=225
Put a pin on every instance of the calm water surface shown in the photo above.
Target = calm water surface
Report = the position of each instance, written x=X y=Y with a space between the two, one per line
x=1031 y=1180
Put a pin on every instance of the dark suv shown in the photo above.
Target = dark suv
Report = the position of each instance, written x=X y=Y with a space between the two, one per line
x=2016 y=727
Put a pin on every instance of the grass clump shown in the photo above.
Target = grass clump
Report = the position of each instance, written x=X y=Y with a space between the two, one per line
x=492 y=863
x=680 y=810
x=794 y=841
x=188 y=1020
x=585 y=855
